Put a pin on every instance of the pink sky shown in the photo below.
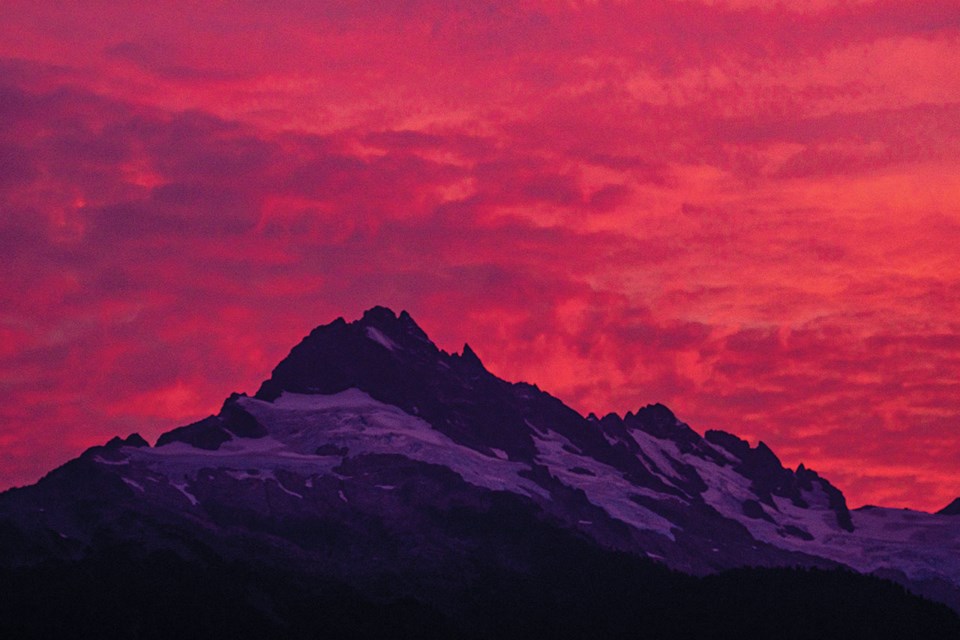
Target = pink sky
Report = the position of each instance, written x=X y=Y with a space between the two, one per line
x=750 y=214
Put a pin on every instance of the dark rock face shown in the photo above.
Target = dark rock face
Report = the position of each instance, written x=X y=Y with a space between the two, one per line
x=659 y=421
x=206 y=434
x=213 y=431
x=133 y=440
x=237 y=421
x=952 y=509
x=753 y=509
x=796 y=532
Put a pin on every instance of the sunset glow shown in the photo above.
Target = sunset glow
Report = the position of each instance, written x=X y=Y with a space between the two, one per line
x=748 y=212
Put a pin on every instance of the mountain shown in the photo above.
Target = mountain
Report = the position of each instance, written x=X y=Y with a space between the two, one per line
x=952 y=509
x=392 y=480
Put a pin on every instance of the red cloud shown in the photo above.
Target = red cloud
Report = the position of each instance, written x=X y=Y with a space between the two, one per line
x=746 y=212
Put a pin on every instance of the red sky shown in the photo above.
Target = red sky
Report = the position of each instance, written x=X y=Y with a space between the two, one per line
x=749 y=213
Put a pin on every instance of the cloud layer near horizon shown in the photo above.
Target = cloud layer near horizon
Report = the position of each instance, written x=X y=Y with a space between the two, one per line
x=747 y=213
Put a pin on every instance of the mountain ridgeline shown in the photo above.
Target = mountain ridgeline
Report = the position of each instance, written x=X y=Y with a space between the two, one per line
x=377 y=486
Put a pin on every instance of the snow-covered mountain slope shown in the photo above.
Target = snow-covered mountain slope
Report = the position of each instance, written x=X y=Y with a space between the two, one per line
x=368 y=432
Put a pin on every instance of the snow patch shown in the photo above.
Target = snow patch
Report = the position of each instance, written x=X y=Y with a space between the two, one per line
x=658 y=454
x=182 y=488
x=134 y=484
x=242 y=475
x=377 y=336
x=180 y=460
x=606 y=488
x=533 y=426
x=284 y=489
x=264 y=476
x=299 y=424
x=609 y=438
x=353 y=398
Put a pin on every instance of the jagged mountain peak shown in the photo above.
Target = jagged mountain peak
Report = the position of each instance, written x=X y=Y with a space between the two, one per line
x=400 y=327
x=133 y=440
x=381 y=314
x=656 y=412
x=379 y=349
x=392 y=360
x=468 y=356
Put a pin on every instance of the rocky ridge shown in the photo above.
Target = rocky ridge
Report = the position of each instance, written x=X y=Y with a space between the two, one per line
x=369 y=451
